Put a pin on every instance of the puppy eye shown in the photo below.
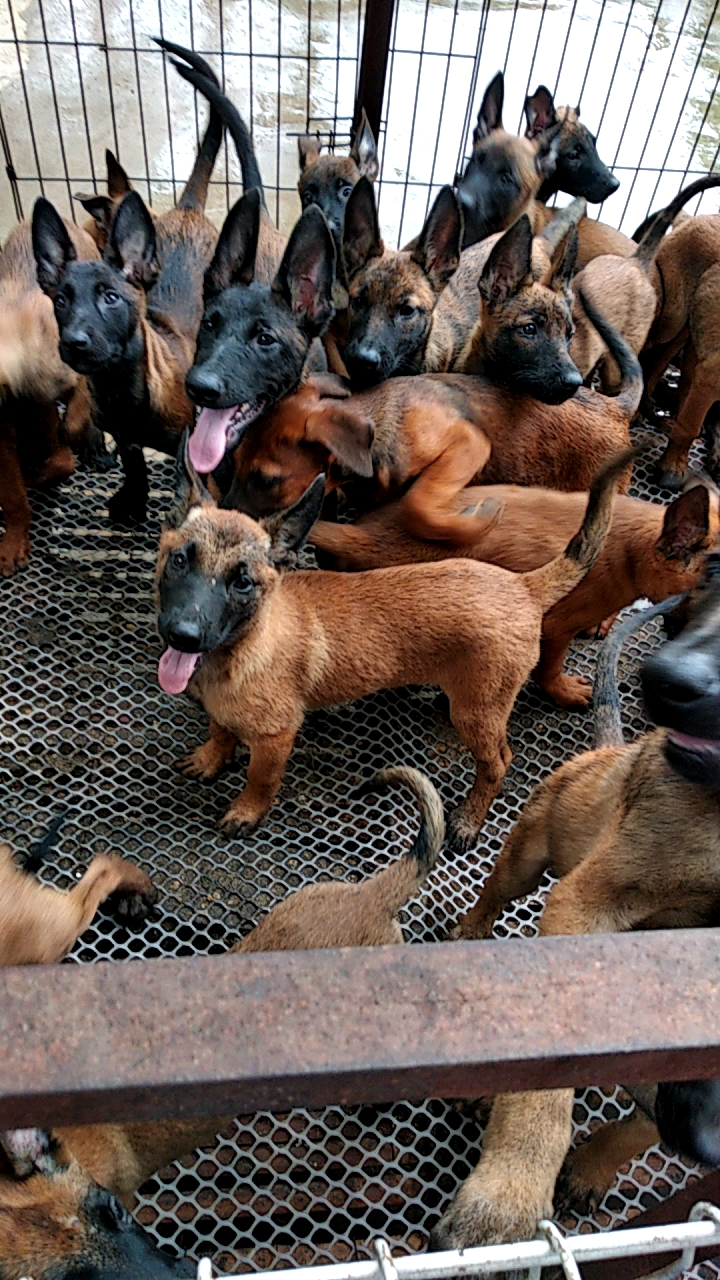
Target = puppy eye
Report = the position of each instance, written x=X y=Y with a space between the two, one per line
x=209 y=323
x=506 y=177
x=529 y=330
x=111 y=297
x=242 y=583
x=346 y=193
x=179 y=560
x=307 y=197
x=574 y=154
x=266 y=340
x=406 y=310
x=60 y=302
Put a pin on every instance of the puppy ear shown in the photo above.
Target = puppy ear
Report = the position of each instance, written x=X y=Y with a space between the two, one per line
x=308 y=151
x=346 y=434
x=491 y=108
x=233 y=261
x=189 y=488
x=364 y=151
x=289 y=529
x=686 y=527
x=101 y=209
x=361 y=236
x=509 y=264
x=132 y=247
x=546 y=155
x=29 y=1151
x=307 y=272
x=118 y=183
x=539 y=112
x=437 y=251
x=52 y=246
x=564 y=262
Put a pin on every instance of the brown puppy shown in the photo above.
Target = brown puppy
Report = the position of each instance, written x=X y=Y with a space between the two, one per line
x=426 y=438
x=627 y=289
x=635 y=845
x=650 y=551
x=364 y=914
x=33 y=379
x=269 y=647
x=328 y=180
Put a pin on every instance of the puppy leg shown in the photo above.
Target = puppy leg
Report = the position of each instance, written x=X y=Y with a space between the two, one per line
x=15 y=545
x=63 y=917
x=208 y=760
x=699 y=389
x=429 y=508
x=129 y=504
x=53 y=462
x=268 y=761
x=655 y=361
x=591 y=1169
x=492 y=754
x=566 y=691
x=518 y=869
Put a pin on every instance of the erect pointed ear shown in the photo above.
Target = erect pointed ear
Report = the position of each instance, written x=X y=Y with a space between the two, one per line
x=491 y=107
x=564 y=262
x=118 y=183
x=364 y=150
x=539 y=112
x=29 y=1151
x=233 y=261
x=306 y=274
x=546 y=155
x=101 y=209
x=345 y=433
x=189 y=488
x=361 y=235
x=686 y=526
x=437 y=251
x=52 y=246
x=132 y=247
x=308 y=151
x=509 y=264
x=289 y=529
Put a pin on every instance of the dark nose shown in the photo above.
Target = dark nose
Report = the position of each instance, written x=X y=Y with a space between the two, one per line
x=613 y=183
x=185 y=636
x=364 y=365
x=572 y=379
x=77 y=342
x=203 y=386
x=680 y=678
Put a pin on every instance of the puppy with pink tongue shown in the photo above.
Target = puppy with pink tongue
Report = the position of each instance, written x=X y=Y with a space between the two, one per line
x=219 y=431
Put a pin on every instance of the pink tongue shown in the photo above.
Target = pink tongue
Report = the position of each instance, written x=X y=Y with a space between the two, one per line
x=175 y=669
x=207 y=442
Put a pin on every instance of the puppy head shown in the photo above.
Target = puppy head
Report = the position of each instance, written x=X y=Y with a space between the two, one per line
x=328 y=180
x=216 y=568
x=579 y=170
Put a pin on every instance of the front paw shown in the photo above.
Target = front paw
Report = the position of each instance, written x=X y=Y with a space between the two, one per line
x=477 y=1218
x=580 y=1187
x=205 y=762
x=127 y=508
x=133 y=908
x=238 y=823
x=462 y=832
x=14 y=553
x=570 y=691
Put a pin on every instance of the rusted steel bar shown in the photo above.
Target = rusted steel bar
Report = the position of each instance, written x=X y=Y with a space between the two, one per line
x=373 y=62
x=162 y=1038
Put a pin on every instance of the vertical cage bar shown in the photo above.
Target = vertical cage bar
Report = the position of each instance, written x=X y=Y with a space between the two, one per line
x=373 y=63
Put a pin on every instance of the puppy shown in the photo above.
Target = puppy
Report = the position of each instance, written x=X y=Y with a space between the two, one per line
x=328 y=180
x=263 y=648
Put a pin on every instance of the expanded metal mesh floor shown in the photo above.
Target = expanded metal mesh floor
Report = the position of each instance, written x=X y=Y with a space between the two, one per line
x=86 y=727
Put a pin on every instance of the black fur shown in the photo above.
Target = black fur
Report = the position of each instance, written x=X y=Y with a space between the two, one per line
x=579 y=171
x=687 y=1113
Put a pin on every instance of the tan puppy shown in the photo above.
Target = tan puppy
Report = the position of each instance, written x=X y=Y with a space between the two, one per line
x=650 y=551
x=268 y=647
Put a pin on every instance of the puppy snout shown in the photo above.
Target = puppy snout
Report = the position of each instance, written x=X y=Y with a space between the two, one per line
x=77 y=342
x=680 y=679
x=364 y=365
x=571 y=380
x=203 y=386
x=185 y=635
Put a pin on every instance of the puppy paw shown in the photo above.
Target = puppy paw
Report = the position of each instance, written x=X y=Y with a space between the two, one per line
x=461 y=831
x=580 y=1186
x=570 y=691
x=14 y=553
x=477 y=1217
x=127 y=508
x=132 y=909
x=238 y=826
x=205 y=762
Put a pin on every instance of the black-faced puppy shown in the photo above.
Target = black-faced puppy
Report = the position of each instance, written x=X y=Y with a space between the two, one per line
x=264 y=647
x=578 y=171
x=393 y=293
x=335 y=914
x=328 y=180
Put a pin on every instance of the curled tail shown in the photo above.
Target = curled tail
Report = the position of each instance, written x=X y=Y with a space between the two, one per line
x=559 y=576
x=232 y=120
x=650 y=234
x=35 y=856
x=394 y=886
x=195 y=192
x=606 y=698
x=631 y=387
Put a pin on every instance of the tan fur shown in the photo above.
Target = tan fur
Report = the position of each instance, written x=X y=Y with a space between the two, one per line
x=531 y=526
x=317 y=639
x=39 y=925
x=622 y=287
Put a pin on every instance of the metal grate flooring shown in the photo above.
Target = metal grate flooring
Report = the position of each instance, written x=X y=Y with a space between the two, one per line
x=84 y=725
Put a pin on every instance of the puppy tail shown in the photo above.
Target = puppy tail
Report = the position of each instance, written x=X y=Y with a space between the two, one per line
x=233 y=122
x=35 y=856
x=631 y=387
x=345 y=546
x=554 y=580
x=194 y=195
x=606 y=698
x=394 y=886
x=650 y=234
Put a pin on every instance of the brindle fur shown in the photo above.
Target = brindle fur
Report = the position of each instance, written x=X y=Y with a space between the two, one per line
x=328 y=180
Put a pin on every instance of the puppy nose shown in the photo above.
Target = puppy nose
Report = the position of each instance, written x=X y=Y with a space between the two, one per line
x=572 y=379
x=203 y=386
x=77 y=342
x=364 y=365
x=185 y=636
x=613 y=183
x=680 y=678
x=466 y=197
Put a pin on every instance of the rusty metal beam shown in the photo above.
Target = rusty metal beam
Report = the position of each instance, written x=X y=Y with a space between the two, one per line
x=373 y=63
x=162 y=1038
